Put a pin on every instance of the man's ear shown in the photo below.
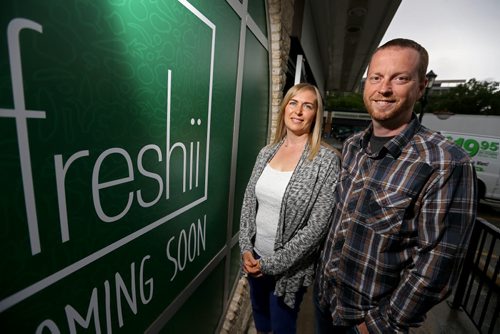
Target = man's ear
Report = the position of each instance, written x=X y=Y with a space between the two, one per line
x=421 y=87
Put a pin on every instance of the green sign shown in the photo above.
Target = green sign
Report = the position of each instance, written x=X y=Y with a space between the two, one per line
x=116 y=125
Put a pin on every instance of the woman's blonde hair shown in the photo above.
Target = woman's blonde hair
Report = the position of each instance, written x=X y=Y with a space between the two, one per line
x=315 y=132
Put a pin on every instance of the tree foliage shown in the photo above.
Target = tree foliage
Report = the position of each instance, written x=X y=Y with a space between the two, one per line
x=345 y=101
x=472 y=97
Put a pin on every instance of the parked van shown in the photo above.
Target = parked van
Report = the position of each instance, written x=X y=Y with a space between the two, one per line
x=480 y=137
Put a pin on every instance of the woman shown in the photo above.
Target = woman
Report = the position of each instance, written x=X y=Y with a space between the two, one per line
x=286 y=211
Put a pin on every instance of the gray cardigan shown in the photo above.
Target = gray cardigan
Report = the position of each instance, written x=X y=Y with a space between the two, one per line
x=305 y=214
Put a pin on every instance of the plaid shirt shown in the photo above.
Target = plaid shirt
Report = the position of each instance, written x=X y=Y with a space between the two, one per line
x=401 y=225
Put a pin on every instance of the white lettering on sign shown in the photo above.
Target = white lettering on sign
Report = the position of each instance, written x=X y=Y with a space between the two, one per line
x=21 y=116
x=188 y=246
x=189 y=154
x=62 y=168
x=93 y=318
x=149 y=174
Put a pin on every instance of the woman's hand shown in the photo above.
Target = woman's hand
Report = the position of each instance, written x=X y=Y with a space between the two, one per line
x=250 y=265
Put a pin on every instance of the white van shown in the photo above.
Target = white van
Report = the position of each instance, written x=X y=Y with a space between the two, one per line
x=480 y=137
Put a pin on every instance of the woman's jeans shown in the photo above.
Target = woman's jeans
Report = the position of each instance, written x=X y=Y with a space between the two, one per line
x=270 y=312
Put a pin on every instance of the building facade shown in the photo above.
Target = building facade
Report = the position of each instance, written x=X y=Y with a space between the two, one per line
x=128 y=131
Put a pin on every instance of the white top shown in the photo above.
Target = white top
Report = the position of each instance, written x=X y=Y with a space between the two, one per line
x=269 y=191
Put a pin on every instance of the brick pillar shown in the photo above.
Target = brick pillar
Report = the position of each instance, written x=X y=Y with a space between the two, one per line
x=281 y=19
x=239 y=314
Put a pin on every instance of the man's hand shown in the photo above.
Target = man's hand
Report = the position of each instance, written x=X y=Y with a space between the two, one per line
x=250 y=265
x=363 y=329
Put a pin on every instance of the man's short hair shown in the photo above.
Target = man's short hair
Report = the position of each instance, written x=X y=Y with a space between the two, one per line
x=408 y=43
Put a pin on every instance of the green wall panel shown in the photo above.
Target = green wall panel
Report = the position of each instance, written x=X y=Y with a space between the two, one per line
x=115 y=153
x=257 y=9
x=235 y=268
x=201 y=312
x=253 y=117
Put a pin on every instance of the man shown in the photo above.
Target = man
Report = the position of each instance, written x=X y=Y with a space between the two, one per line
x=405 y=207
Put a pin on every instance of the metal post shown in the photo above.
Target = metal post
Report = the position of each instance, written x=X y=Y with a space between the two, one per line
x=423 y=104
x=431 y=76
x=298 y=69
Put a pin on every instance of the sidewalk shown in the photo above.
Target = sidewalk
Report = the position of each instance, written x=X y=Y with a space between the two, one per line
x=440 y=320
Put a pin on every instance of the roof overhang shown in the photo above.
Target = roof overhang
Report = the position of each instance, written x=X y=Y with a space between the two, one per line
x=347 y=33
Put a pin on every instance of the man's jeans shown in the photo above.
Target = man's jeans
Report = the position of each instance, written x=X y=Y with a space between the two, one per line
x=323 y=322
